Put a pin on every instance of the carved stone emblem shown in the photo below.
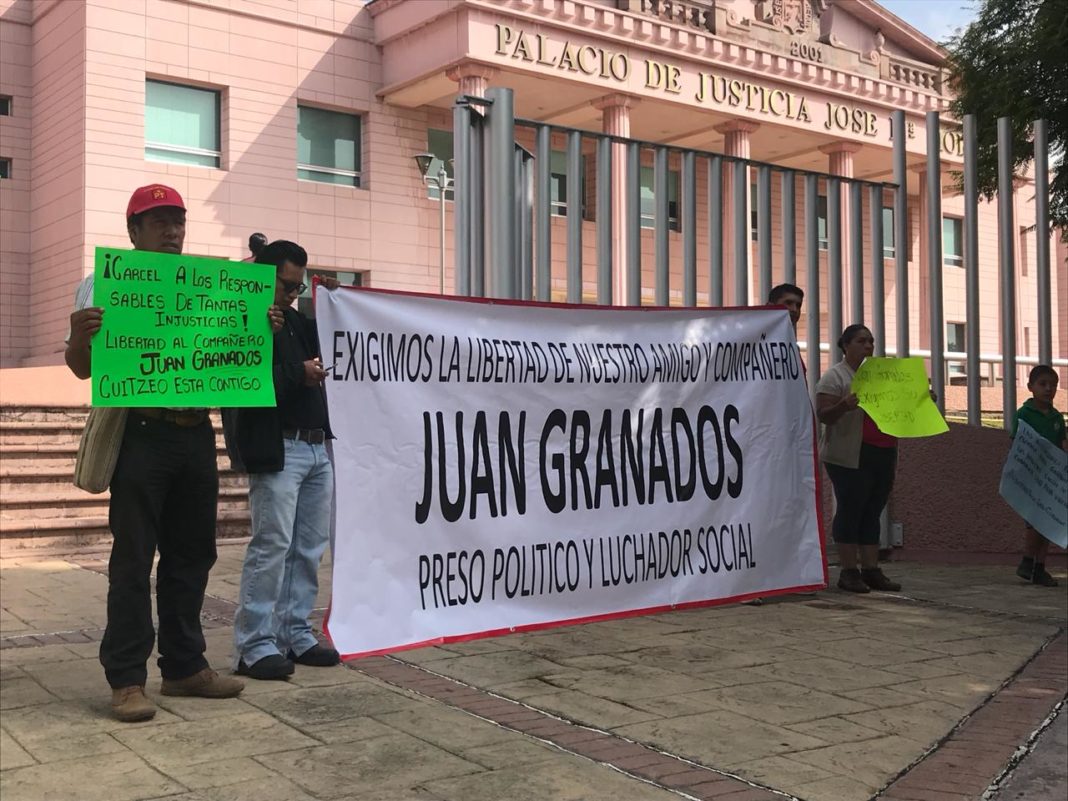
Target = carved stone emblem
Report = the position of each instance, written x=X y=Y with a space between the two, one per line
x=795 y=16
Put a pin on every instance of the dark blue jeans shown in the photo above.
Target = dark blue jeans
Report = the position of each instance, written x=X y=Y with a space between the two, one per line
x=163 y=496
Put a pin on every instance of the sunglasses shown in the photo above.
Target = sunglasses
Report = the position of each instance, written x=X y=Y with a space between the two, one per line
x=293 y=286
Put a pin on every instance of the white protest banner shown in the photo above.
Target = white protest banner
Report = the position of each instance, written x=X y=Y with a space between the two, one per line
x=507 y=466
x=1034 y=482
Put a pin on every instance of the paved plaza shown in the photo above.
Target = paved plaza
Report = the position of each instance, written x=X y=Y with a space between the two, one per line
x=941 y=693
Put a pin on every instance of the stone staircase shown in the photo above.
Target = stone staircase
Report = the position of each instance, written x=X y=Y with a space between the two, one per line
x=41 y=508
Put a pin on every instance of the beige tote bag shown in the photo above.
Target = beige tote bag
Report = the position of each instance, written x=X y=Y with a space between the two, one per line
x=99 y=449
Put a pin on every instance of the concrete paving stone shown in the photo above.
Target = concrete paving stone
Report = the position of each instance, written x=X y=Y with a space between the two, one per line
x=193 y=742
x=72 y=720
x=589 y=710
x=779 y=702
x=1006 y=643
x=61 y=748
x=348 y=730
x=420 y=656
x=519 y=690
x=963 y=691
x=310 y=707
x=12 y=755
x=924 y=722
x=713 y=738
x=219 y=773
x=395 y=760
x=675 y=706
x=777 y=771
x=986 y=664
x=872 y=762
x=200 y=708
x=591 y=662
x=274 y=788
x=445 y=727
x=746 y=638
x=837 y=788
x=882 y=697
x=487 y=645
x=835 y=730
x=21 y=657
x=518 y=750
x=667 y=657
x=868 y=651
x=571 y=641
x=497 y=668
x=629 y=683
x=20 y=691
x=930 y=669
x=69 y=680
x=120 y=777
x=828 y=674
x=565 y=779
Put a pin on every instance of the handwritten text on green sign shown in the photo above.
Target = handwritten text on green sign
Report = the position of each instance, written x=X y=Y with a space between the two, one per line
x=895 y=395
x=181 y=331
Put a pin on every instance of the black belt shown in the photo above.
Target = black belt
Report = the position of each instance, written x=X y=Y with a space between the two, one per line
x=313 y=436
x=187 y=419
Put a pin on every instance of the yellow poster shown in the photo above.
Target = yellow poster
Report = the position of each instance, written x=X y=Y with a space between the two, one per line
x=895 y=395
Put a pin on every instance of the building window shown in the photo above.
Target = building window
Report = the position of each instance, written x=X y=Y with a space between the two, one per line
x=952 y=242
x=888 y=233
x=558 y=184
x=955 y=344
x=328 y=146
x=439 y=143
x=821 y=221
x=5 y=106
x=5 y=168
x=181 y=124
x=754 y=217
x=648 y=199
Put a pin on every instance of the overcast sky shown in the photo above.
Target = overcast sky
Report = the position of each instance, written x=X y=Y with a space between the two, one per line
x=936 y=18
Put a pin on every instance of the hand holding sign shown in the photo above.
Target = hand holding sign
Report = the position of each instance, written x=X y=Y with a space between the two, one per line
x=895 y=395
x=178 y=331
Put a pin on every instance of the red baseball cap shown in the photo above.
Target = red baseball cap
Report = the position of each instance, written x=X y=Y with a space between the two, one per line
x=151 y=197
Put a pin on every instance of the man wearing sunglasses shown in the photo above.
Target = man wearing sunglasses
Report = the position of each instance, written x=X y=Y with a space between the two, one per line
x=291 y=480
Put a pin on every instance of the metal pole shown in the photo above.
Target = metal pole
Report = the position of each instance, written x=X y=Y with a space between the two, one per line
x=901 y=233
x=971 y=268
x=789 y=229
x=1007 y=269
x=461 y=200
x=934 y=259
x=543 y=221
x=634 y=224
x=660 y=226
x=443 y=178
x=574 y=217
x=834 y=258
x=715 y=231
x=689 y=228
x=604 y=221
x=856 y=248
x=1045 y=330
x=878 y=278
x=477 y=206
x=501 y=124
x=764 y=230
x=812 y=270
x=741 y=234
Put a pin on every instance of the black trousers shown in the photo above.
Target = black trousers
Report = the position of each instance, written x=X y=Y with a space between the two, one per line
x=861 y=494
x=164 y=495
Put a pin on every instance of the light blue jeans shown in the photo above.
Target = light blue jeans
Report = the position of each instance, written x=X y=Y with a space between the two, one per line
x=290 y=531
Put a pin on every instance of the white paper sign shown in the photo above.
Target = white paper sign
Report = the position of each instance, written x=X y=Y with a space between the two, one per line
x=505 y=466
x=1034 y=482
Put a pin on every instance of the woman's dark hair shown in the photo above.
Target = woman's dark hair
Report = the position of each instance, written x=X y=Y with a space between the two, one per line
x=282 y=250
x=256 y=243
x=849 y=334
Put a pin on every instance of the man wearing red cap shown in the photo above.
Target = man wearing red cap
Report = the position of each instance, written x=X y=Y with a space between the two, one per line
x=163 y=495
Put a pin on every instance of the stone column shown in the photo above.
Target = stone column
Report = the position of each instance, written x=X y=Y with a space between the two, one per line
x=840 y=163
x=615 y=120
x=473 y=79
x=736 y=143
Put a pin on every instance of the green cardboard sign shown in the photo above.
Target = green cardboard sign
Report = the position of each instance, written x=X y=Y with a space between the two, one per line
x=895 y=395
x=181 y=331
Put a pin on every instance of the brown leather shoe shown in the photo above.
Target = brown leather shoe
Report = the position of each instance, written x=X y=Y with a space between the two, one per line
x=130 y=704
x=205 y=684
x=850 y=581
x=877 y=580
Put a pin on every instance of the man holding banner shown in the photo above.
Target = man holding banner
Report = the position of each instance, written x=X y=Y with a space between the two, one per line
x=291 y=482
x=163 y=495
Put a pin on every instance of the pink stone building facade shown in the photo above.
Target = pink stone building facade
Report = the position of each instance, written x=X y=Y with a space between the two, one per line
x=301 y=118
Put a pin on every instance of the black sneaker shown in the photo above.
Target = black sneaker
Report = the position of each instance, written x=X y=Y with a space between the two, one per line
x=1041 y=577
x=317 y=656
x=1026 y=568
x=877 y=580
x=271 y=668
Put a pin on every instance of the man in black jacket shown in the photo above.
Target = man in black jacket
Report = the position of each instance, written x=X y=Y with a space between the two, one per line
x=291 y=480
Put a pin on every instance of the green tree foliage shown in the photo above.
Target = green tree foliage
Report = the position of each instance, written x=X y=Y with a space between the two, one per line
x=1012 y=61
